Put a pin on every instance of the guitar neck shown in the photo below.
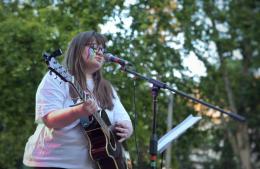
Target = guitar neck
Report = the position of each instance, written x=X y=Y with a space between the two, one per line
x=83 y=96
x=103 y=125
x=78 y=89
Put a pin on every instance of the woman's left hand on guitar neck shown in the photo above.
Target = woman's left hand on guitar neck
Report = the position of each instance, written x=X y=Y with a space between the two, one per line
x=123 y=129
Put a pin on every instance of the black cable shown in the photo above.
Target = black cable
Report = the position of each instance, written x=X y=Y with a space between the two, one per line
x=135 y=123
x=162 y=156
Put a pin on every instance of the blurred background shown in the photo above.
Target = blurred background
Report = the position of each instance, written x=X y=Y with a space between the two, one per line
x=208 y=49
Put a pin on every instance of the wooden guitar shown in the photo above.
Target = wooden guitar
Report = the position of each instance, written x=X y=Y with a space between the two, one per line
x=104 y=147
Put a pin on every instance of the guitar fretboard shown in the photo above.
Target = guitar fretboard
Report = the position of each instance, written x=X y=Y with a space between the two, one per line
x=85 y=96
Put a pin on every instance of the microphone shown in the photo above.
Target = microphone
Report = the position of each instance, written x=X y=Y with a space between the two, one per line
x=111 y=58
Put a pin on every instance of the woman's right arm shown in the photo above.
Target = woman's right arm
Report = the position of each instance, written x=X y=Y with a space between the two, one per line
x=50 y=97
x=63 y=117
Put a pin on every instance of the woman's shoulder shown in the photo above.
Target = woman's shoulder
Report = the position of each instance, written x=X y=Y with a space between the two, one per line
x=50 y=79
x=51 y=83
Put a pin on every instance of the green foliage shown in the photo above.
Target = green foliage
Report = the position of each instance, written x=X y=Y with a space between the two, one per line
x=21 y=71
x=241 y=19
x=154 y=58
x=27 y=30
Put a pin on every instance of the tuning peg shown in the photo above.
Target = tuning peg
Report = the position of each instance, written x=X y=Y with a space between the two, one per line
x=56 y=53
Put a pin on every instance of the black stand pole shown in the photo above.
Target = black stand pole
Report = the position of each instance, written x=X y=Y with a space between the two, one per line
x=154 y=138
x=158 y=85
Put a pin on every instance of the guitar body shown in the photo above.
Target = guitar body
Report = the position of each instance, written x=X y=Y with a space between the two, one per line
x=107 y=152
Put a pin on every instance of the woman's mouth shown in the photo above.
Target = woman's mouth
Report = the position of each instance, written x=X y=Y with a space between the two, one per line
x=99 y=59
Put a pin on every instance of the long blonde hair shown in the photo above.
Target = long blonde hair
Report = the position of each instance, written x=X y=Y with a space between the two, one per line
x=74 y=62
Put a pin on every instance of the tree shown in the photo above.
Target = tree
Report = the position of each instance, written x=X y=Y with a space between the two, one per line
x=230 y=27
x=29 y=28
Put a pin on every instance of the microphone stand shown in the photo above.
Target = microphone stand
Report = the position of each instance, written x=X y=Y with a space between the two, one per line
x=157 y=85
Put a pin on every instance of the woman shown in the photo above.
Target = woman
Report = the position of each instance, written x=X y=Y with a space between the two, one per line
x=58 y=141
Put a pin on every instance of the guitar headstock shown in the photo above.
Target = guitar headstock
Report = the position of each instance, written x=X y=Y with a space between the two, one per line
x=56 y=67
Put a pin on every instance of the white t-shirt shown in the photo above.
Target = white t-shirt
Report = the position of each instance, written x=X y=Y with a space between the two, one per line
x=66 y=147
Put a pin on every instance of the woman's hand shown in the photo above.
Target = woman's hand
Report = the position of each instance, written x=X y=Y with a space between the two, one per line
x=87 y=108
x=123 y=129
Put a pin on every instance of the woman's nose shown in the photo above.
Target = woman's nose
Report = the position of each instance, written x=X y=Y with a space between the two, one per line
x=100 y=51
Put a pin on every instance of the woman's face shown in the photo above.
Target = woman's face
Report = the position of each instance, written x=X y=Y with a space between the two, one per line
x=93 y=57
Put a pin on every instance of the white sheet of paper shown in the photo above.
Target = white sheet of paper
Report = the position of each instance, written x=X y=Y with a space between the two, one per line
x=174 y=133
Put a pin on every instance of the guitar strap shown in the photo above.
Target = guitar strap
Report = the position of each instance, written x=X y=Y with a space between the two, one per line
x=107 y=121
x=125 y=152
x=105 y=117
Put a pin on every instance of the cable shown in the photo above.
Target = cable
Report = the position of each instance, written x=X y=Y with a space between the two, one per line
x=162 y=156
x=135 y=122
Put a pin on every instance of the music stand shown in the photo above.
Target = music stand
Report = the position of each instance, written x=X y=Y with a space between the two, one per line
x=175 y=132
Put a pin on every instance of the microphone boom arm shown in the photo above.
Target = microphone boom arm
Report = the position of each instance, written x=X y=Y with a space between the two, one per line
x=160 y=84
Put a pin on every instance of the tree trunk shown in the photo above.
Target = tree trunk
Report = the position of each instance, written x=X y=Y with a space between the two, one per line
x=239 y=139
x=168 y=158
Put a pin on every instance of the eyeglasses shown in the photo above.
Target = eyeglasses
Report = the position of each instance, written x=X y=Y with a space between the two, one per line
x=97 y=49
